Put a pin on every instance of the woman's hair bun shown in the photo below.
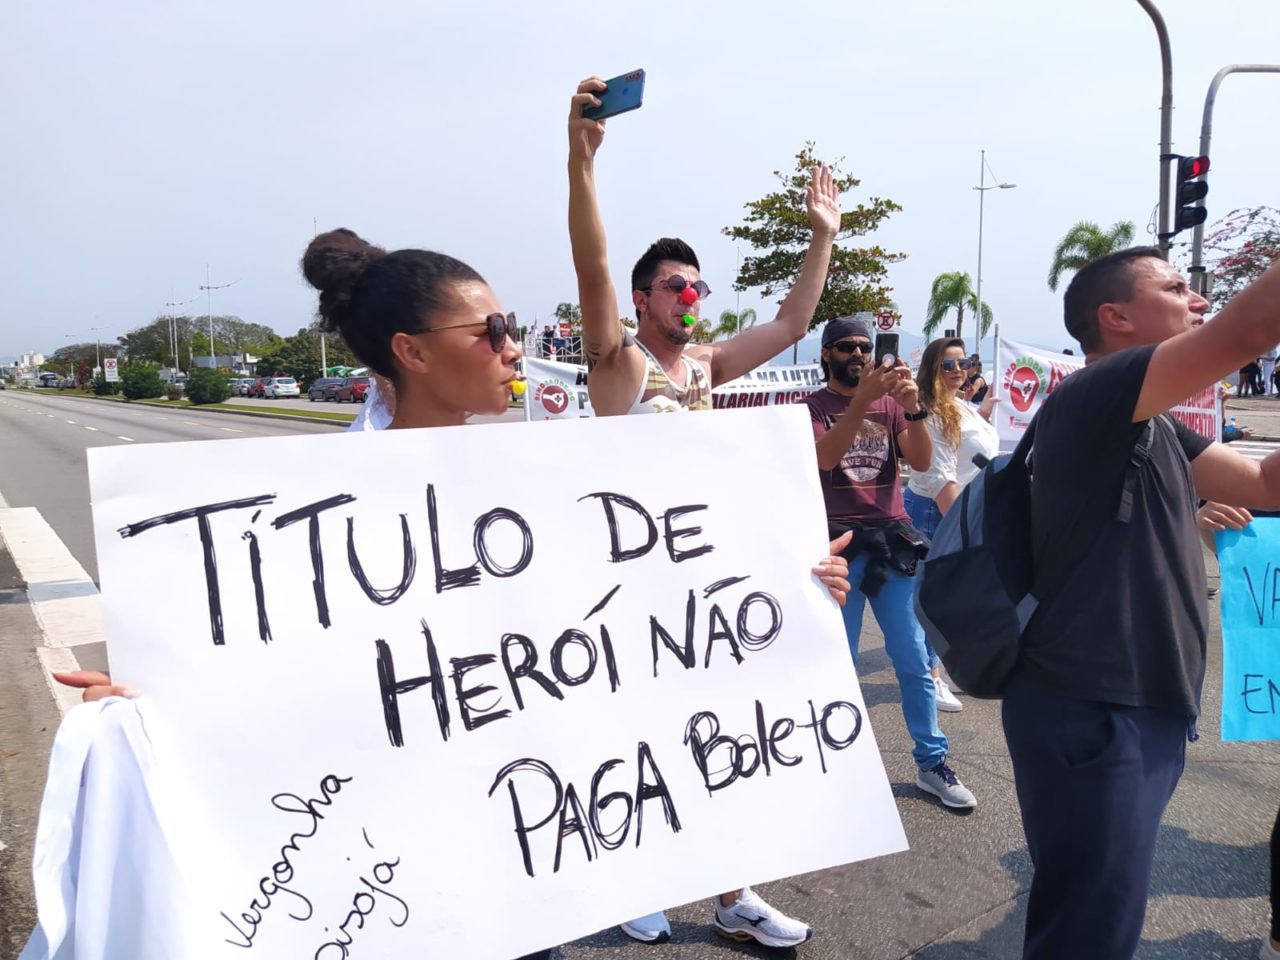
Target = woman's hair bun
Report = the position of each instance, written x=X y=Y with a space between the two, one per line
x=333 y=264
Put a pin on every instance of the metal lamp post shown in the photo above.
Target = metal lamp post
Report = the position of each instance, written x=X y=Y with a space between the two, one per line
x=208 y=287
x=982 y=189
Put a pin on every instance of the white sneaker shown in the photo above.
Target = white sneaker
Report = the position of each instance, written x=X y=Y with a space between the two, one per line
x=946 y=679
x=651 y=928
x=943 y=783
x=750 y=918
x=946 y=700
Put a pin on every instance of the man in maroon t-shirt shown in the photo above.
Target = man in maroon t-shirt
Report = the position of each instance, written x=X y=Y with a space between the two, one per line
x=864 y=420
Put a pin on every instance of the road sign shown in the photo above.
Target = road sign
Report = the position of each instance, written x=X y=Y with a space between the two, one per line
x=110 y=369
x=886 y=321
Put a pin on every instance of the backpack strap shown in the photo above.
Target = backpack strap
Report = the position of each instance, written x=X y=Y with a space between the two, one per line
x=1141 y=454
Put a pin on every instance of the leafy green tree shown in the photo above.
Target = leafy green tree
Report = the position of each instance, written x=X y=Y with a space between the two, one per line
x=731 y=323
x=954 y=291
x=77 y=354
x=140 y=382
x=1085 y=243
x=777 y=225
x=298 y=356
x=207 y=386
x=1239 y=248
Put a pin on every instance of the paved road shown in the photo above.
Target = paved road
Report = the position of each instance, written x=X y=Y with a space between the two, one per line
x=959 y=894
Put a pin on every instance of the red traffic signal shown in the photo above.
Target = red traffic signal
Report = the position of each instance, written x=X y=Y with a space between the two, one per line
x=1189 y=167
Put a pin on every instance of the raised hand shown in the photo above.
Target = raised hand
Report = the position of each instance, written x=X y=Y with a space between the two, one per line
x=96 y=686
x=585 y=136
x=905 y=390
x=822 y=200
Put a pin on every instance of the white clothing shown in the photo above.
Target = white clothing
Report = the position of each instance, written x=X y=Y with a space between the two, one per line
x=658 y=394
x=373 y=414
x=953 y=464
x=1268 y=368
x=106 y=881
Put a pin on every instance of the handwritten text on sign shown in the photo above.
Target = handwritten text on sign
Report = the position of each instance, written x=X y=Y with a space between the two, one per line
x=563 y=668
x=1250 y=564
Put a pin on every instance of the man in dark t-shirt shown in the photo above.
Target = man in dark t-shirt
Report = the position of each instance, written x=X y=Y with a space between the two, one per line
x=1108 y=686
x=863 y=420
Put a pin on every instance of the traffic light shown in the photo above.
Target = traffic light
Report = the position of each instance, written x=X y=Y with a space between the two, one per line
x=1191 y=188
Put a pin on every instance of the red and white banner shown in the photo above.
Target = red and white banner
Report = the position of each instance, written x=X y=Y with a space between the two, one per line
x=1025 y=375
x=558 y=391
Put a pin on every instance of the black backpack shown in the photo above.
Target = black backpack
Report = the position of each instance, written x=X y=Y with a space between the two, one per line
x=974 y=594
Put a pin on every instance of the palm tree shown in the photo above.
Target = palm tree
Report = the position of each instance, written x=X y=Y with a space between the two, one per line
x=954 y=291
x=1085 y=243
x=733 y=323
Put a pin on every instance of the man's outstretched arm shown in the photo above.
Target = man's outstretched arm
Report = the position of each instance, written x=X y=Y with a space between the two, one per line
x=732 y=358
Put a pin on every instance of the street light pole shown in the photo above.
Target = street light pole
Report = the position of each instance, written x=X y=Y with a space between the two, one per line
x=97 y=345
x=1163 y=236
x=1198 y=278
x=209 y=287
x=982 y=189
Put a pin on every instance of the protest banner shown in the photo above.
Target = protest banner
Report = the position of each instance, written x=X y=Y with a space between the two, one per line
x=1249 y=560
x=1026 y=375
x=558 y=391
x=492 y=690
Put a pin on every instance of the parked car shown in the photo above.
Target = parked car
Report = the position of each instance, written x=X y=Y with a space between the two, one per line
x=242 y=385
x=324 y=388
x=274 y=388
x=48 y=380
x=255 y=388
x=353 y=389
x=67 y=384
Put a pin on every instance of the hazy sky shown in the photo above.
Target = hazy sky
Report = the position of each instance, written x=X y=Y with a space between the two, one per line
x=144 y=139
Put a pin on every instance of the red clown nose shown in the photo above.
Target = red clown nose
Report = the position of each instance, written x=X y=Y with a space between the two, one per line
x=688 y=296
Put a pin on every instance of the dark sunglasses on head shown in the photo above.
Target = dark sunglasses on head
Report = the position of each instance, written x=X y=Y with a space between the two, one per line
x=498 y=326
x=848 y=346
x=965 y=364
x=676 y=283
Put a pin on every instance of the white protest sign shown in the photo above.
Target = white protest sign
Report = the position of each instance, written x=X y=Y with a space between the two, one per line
x=558 y=391
x=464 y=701
x=1026 y=375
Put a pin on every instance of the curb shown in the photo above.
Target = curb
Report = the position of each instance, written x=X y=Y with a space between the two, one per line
x=297 y=418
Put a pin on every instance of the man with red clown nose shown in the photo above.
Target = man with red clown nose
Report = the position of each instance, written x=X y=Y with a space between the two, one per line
x=658 y=370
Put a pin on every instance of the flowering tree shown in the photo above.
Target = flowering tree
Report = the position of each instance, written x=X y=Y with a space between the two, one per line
x=1238 y=248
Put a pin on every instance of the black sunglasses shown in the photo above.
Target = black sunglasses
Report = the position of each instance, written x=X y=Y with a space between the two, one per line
x=498 y=327
x=676 y=283
x=849 y=346
x=965 y=364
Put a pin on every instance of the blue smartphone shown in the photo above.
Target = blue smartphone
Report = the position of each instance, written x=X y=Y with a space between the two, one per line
x=620 y=95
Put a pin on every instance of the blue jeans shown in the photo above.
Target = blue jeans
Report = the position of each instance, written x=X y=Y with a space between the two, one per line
x=925 y=517
x=904 y=642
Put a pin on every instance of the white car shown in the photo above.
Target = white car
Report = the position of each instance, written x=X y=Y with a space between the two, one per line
x=277 y=387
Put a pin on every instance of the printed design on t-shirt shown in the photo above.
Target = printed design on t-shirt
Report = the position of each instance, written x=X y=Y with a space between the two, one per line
x=866 y=458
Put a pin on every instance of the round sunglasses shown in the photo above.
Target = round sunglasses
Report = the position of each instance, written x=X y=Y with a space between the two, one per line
x=676 y=283
x=965 y=364
x=498 y=326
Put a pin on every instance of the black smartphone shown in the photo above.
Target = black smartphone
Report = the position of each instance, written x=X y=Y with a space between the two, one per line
x=886 y=347
x=620 y=95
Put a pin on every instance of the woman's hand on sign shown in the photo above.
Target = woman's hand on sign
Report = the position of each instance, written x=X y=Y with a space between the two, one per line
x=1213 y=517
x=833 y=571
x=988 y=404
x=96 y=686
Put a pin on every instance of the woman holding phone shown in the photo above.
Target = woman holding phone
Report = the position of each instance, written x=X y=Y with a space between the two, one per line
x=960 y=431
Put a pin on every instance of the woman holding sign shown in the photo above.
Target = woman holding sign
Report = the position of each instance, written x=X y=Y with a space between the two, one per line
x=437 y=332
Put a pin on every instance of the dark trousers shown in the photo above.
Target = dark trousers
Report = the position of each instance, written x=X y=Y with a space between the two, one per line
x=1093 y=780
x=1275 y=879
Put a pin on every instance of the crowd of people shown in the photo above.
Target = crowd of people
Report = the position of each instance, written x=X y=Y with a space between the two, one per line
x=1103 y=702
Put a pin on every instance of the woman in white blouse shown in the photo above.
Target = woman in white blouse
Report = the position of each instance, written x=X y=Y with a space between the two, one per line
x=959 y=431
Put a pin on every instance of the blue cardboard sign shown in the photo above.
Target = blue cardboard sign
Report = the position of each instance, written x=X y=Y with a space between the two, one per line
x=1250 y=563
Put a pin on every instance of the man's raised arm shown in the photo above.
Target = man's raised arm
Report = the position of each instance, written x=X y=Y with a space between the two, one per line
x=1245 y=328
x=601 y=332
x=737 y=355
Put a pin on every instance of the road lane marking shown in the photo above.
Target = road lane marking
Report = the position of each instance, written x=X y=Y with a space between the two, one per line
x=94 y=429
x=231 y=430
x=193 y=423
x=70 y=421
x=126 y=439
